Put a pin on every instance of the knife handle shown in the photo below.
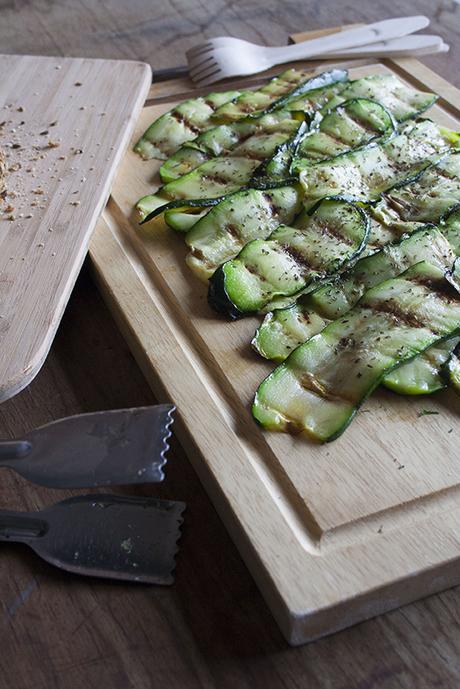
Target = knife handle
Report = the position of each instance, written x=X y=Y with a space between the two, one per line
x=14 y=449
x=351 y=38
x=21 y=527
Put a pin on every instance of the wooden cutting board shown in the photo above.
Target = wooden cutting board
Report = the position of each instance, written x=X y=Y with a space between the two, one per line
x=333 y=534
x=64 y=126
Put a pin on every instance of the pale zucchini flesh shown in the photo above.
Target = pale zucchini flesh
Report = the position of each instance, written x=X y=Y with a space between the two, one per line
x=320 y=387
x=318 y=245
x=273 y=96
x=363 y=175
x=222 y=175
x=422 y=375
x=285 y=329
x=237 y=220
x=218 y=141
x=401 y=100
x=183 y=123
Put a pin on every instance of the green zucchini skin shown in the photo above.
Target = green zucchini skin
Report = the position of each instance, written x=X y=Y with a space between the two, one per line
x=340 y=128
x=350 y=125
x=237 y=220
x=422 y=141
x=405 y=103
x=451 y=369
x=187 y=120
x=433 y=195
x=221 y=140
x=422 y=375
x=399 y=100
x=405 y=157
x=289 y=85
x=423 y=200
x=219 y=176
x=278 y=166
x=285 y=329
x=194 y=206
x=320 y=387
x=365 y=174
x=319 y=243
x=347 y=126
x=167 y=133
x=223 y=175
x=376 y=116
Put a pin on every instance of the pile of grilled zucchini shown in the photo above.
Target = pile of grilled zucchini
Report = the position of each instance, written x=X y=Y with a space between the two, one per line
x=331 y=206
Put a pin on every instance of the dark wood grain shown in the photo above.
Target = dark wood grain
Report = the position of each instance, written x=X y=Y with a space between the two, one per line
x=212 y=629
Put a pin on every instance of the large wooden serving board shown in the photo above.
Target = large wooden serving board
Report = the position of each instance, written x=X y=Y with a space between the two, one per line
x=64 y=126
x=334 y=533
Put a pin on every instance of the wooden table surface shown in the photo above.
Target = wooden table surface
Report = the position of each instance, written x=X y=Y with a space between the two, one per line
x=211 y=630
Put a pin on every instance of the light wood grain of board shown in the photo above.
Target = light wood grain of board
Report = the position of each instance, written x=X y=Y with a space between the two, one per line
x=65 y=126
x=332 y=533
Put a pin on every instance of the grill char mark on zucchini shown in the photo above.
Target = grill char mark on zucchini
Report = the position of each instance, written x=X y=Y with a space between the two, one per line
x=318 y=244
x=167 y=133
x=366 y=173
x=187 y=120
x=373 y=120
x=237 y=220
x=349 y=357
x=285 y=329
x=423 y=200
x=274 y=95
x=223 y=138
x=220 y=176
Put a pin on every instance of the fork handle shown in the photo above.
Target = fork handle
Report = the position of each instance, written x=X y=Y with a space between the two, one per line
x=14 y=449
x=352 y=38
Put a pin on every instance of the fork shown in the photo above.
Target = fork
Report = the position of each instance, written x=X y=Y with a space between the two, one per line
x=225 y=57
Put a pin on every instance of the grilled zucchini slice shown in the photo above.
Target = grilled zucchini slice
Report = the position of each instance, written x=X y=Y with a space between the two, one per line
x=319 y=243
x=365 y=174
x=183 y=123
x=223 y=175
x=285 y=329
x=237 y=220
x=404 y=102
x=320 y=387
x=289 y=85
